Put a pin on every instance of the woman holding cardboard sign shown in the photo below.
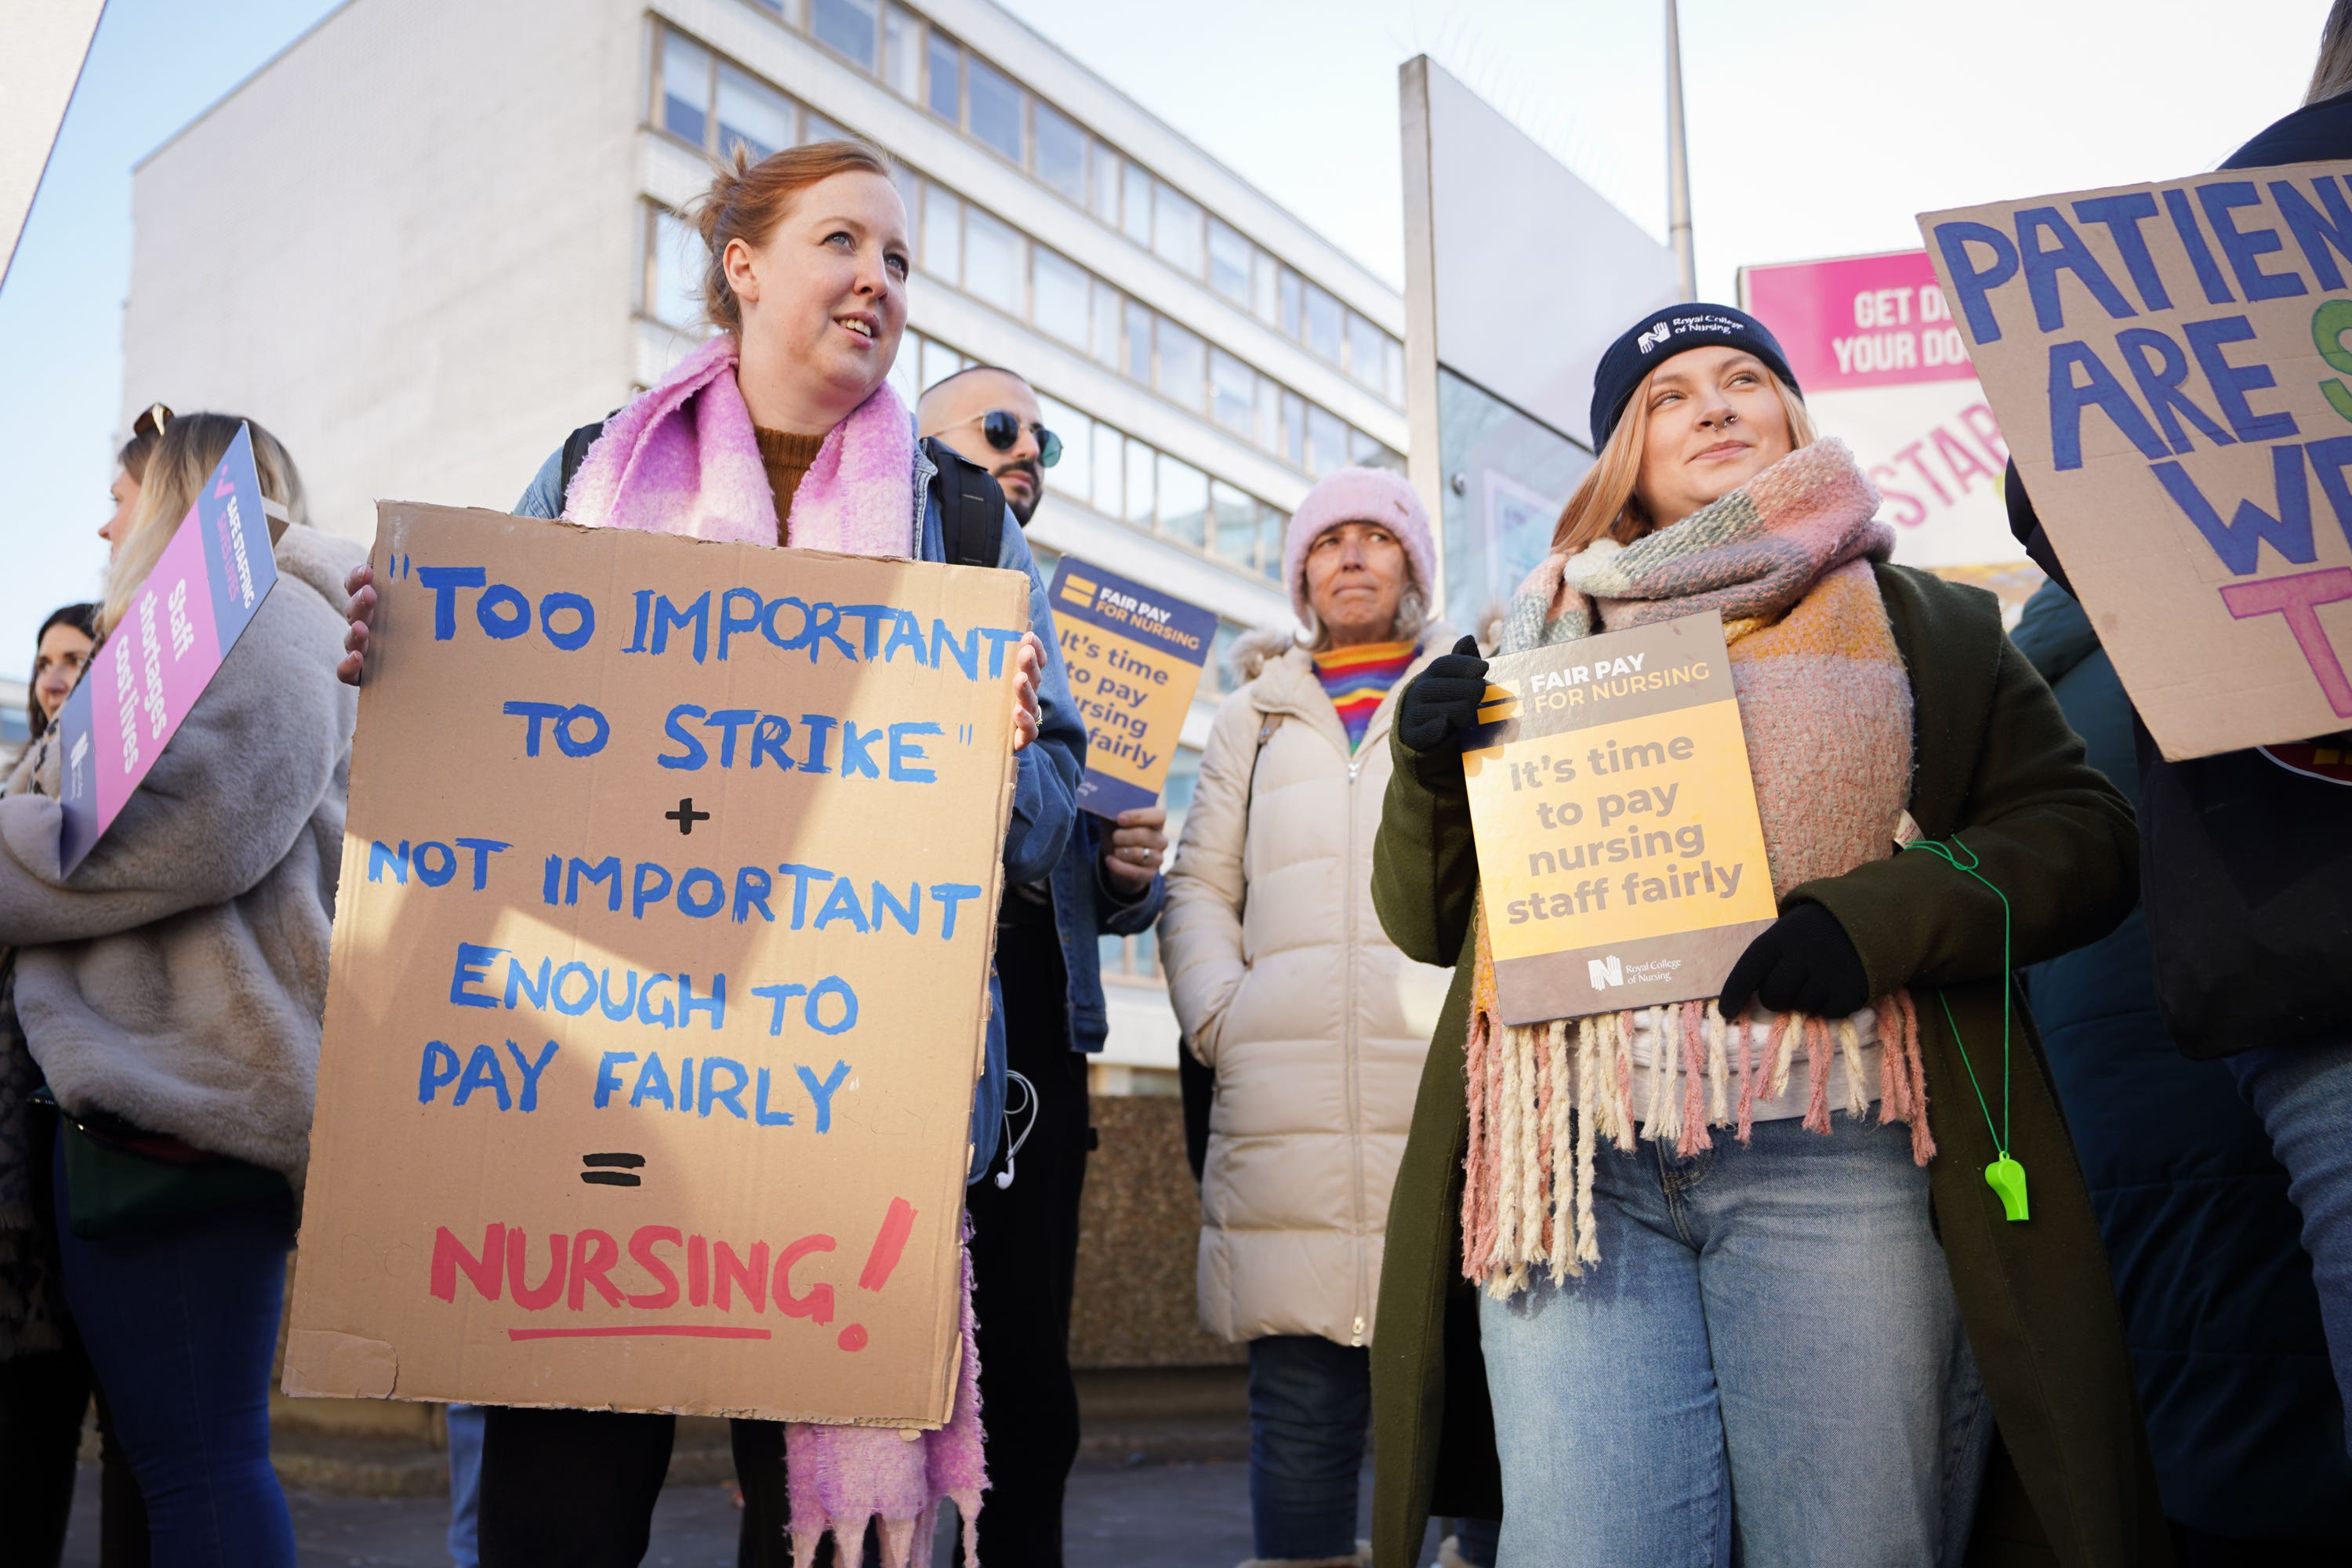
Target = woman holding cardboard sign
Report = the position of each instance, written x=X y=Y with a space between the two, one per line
x=783 y=430
x=1730 y=1303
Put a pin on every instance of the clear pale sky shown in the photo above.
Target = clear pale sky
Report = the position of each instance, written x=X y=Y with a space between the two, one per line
x=1817 y=128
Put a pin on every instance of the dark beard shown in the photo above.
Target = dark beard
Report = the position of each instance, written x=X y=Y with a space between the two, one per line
x=1023 y=511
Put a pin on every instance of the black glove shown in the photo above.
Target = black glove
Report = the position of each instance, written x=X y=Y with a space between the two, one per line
x=1442 y=698
x=1804 y=963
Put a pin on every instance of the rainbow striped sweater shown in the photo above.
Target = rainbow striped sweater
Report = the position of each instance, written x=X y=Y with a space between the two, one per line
x=1356 y=678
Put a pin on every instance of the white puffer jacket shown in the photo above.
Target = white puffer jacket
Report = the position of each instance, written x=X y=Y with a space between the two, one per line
x=1285 y=983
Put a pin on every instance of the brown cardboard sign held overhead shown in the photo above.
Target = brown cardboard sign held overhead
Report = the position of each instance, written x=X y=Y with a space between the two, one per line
x=660 y=977
x=2169 y=366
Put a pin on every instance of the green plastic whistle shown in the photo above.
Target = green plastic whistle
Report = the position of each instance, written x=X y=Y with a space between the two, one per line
x=2007 y=1177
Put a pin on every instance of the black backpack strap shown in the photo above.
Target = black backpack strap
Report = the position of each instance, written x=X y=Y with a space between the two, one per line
x=971 y=507
x=575 y=452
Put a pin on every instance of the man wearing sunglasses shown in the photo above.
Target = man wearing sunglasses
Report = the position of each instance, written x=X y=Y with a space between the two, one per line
x=1025 y=1219
x=990 y=417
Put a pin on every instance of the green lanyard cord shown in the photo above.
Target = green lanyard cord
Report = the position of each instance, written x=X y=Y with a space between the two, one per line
x=1947 y=853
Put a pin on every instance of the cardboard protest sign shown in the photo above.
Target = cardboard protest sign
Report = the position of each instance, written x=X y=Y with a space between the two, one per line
x=660 y=975
x=196 y=603
x=2167 y=363
x=1135 y=657
x=1885 y=369
x=1621 y=858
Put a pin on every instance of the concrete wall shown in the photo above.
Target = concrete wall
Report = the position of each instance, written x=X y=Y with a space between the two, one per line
x=414 y=260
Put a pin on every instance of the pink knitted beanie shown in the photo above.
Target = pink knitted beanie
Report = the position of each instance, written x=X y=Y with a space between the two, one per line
x=1358 y=495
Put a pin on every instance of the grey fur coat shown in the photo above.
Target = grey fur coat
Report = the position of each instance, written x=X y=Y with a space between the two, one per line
x=177 y=980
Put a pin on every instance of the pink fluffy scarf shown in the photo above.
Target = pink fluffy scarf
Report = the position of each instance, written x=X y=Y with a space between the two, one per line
x=682 y=458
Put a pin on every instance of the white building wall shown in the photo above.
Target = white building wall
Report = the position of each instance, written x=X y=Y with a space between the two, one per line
x=407 y=245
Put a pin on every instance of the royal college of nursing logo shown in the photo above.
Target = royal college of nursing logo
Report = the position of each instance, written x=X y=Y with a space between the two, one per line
x=1654 y=336
x=1606 y=972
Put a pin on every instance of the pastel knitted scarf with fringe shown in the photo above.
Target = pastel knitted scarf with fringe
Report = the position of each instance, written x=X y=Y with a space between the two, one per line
x=683 y=459
x=1826 y=707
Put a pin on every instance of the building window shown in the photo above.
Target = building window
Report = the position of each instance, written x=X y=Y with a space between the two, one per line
x=1236 y=516
x=1135 y=206
x=996 y=107
x=1267 y=288
x=1393 y=374
x=1326 y=441
x=846 y=26
x=815 y=127
x=1110 y=495
x=1058 y=290
x=1272 y=525
x=945 y=92
x=1108 y=166
x=1139 y=343
x=902 y=53
x=1229 y=262
x=1183 y=364
x=1074 y=473
x=674 y=272
x=1294 y=306
x=1233 y=393
x=942 y=232
x=1294 y=429
x=1138 y=507
x=1105 y=328
x=992 y=261
x=1323 y=324
x=1183 y=502
x=1364 y=351
x=1176 y=236
x=1061 y=153
x=753 y=113
x=685 y=89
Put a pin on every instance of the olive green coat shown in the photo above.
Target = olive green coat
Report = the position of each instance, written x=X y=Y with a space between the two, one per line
x=2069 y=1480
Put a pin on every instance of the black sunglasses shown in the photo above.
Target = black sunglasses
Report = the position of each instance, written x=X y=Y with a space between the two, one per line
x=1002 y=429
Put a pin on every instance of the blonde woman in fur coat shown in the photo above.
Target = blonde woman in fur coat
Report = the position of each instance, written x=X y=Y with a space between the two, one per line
x=171 y=989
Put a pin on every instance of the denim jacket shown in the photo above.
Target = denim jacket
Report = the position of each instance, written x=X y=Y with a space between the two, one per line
x=1045 y=783
x=1086 y=907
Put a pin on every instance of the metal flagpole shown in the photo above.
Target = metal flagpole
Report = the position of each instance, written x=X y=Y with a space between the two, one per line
x=1678 y=203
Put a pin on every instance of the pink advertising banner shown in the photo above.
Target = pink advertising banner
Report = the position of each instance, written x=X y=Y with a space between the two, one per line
x=1883 y=367
x=157 y=663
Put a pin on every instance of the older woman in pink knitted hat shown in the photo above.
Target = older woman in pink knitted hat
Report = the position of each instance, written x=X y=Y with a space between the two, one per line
x=1286 y=985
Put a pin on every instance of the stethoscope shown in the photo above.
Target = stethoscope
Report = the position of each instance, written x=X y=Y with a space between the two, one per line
x=1028 y=1101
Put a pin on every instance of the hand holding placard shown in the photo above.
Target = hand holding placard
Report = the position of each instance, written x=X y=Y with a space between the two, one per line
x=1621 y=859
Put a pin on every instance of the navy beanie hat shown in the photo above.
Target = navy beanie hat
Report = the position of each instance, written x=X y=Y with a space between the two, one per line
x=1663 y=334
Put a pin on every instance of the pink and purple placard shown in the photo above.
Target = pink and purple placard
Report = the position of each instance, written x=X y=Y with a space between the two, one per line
x=157 y=663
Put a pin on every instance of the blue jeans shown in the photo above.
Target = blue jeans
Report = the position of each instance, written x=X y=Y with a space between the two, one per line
x=1766 y=1359
x=181 y=1324
x=2303 y=1096
x=464 y=1485
x=1310 y=1404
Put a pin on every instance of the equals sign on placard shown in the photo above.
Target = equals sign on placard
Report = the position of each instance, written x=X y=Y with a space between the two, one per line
x=612 y=1169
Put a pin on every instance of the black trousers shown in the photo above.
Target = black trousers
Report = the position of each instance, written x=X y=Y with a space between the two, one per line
x=575 y=1489
x=1024 y=1258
